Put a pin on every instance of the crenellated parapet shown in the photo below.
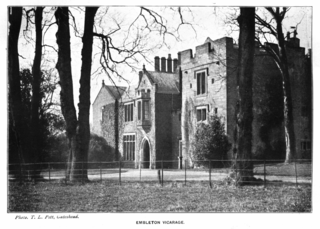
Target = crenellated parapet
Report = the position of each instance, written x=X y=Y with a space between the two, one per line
x=211 y=49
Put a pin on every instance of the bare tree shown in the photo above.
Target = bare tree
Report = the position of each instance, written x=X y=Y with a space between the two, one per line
x=267 y=28
x=16 y=144
x=244 y=115
x=77 y=130
x=36 y=97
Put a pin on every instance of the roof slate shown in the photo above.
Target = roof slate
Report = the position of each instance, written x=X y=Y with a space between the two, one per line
x=115 y=91
x=168 y=83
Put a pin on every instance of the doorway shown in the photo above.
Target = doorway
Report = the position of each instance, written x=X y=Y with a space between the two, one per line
x=146 y=155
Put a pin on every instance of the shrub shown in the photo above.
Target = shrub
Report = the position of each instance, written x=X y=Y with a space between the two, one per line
x=211 y=143
x=99 y=150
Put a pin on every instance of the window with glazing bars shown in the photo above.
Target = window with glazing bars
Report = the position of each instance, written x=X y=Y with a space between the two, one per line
x=129 y=147
x=128 y=112
x=146 y=110
x=201 y=114
x=201 y=83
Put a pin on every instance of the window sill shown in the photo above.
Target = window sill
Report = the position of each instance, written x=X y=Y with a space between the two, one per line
x=202 y=95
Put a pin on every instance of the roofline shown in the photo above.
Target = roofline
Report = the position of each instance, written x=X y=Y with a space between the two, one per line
x=106 y=86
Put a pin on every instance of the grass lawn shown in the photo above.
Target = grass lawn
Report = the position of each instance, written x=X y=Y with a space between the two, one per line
x=56 y=196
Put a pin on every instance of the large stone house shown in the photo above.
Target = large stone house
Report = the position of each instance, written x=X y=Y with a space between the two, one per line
x=149 y=117
x=160 y=116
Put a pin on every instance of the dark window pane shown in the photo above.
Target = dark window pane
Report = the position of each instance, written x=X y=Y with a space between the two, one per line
x=127 y=150
x=203 y=83
x=204 y=115
x=125 y=113
x=131 y=151
x=198 y=83
x=198 y=115
x=139 y=110
x=134 y=143
x=124 y=150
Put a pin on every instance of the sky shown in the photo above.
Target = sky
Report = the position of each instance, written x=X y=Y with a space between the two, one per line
x=205 y=21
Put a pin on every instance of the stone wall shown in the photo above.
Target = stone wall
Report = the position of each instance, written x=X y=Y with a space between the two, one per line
x=210 y=57
x=103 y=98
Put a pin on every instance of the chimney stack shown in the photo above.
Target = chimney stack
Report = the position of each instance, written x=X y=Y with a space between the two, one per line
x=163 y=64
x=309 y=53
x=157 y=64
x=169 y=64
x=103 y=83
x=175 y=64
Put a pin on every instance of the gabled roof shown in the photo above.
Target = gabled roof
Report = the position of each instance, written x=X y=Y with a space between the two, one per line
x=115 y=91
x=168 y=83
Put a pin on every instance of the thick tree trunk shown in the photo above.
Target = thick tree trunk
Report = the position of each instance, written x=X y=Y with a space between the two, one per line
x=66 y=95
x=83 y=135
x=16 y=146
x=244 y=116
x=78 y=131
x=36 y=97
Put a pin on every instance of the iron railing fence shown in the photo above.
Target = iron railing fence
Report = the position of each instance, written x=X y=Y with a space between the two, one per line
x=264 y=171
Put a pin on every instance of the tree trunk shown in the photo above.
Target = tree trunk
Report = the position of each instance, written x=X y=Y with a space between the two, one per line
x=287 y=97
x=282 y=62
x=83 y=135
x=36 y=96
x=244 y=115
x=66 y=95
x=78 y=131
x=16 y=146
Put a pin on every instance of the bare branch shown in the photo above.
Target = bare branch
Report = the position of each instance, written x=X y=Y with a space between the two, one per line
x=50 y=47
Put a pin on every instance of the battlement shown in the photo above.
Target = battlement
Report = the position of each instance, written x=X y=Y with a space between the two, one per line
x=210 y=47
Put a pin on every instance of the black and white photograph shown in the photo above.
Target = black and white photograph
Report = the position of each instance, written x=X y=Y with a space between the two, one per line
x=159 y=115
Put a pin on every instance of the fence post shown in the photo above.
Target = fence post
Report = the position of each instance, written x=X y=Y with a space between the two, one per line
x=264 y=172
x=140 y=169
x=49 y=171
x=82 y=172
x=119 y=171
x=66 y=172
x=161 y=172
x=185 y=172
x=236 y=172
x=210 y=174
x=100 y=172
x=295 y=168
